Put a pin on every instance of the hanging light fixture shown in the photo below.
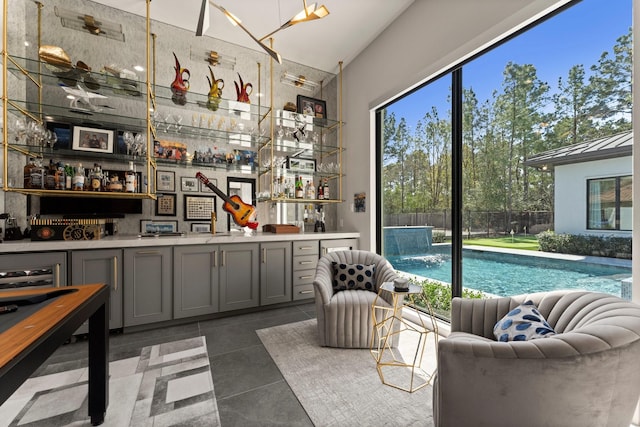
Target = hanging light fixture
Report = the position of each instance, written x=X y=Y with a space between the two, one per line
x=83 y=22
x=203 y=25
x=309 y=13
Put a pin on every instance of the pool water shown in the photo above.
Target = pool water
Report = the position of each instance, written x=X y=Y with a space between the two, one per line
x=510 y=274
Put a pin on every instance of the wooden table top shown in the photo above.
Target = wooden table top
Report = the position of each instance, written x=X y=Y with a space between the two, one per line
x=26 y=332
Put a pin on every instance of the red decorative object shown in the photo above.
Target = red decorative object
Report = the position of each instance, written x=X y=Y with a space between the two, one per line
x=180 y=84
x=243 y=90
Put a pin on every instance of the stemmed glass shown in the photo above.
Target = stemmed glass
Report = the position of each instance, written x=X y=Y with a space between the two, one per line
x=140 y=144
x=128 y=139
x=177 y=118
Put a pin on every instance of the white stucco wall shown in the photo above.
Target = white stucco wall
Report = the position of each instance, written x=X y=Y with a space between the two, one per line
x=570 y=198
x=429 y=37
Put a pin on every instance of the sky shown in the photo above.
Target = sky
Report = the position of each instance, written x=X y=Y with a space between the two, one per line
x=579 y=35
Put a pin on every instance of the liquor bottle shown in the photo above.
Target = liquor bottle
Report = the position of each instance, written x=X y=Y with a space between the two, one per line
x=50 y=176
x=299 y=188
x=78 y=178
x=320 y=194
x=95 y=178
x=309 y=190
x=59 y=176
x=37 y=175
x=68 y=176
x=288 y=190
x=28 y=168
x=325 y=189
x=130 y=184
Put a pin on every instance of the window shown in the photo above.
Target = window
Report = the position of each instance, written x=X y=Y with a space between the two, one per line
x=609 y=203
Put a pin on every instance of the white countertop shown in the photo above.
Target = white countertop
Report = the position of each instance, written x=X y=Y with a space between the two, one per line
x=129 y=241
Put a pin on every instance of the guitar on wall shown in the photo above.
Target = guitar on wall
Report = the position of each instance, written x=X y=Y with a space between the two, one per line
x=240 y=211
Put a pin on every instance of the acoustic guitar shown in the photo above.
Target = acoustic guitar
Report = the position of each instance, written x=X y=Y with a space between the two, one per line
x=240 y=211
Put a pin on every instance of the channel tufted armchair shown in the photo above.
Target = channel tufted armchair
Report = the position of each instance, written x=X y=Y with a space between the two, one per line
x=588 y=374
x=344 y=317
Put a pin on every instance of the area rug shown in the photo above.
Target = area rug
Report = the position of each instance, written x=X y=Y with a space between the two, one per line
x=167 y=384
x=341 y=387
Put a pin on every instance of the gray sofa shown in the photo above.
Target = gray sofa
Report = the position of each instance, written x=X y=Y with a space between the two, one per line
x=588 y=374
x=344 y=318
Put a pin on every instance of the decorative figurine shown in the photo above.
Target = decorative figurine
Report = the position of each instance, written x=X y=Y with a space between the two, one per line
x=180 y=84
x=241 y=90
x=215 y=91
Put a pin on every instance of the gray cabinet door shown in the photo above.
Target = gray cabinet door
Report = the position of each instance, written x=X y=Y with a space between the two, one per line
x=239 y=276
x=37 y=269
x=275 y=272
x=147 y=285
x=333 y=245
x=195 y=280
x=100 y=266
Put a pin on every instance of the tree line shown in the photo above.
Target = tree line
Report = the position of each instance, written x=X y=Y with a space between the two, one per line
x=522 y=118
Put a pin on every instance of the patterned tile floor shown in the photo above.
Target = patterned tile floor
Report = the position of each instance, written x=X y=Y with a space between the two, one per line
x=249 y=389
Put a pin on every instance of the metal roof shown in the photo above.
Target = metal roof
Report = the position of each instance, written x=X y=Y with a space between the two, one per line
x=618 y=145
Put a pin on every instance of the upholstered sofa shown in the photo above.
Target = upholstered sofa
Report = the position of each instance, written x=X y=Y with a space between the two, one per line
x=344 y=317
x=588 y=374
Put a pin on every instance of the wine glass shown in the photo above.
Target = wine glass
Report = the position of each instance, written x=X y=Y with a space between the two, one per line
x=128 y=139
x=140 y=144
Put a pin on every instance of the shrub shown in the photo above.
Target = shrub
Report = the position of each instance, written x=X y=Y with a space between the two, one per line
x=438 y=237
x=578 y=244
x=439 y=295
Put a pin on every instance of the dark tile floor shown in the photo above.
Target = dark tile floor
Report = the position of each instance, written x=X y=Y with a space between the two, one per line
x=250 y=391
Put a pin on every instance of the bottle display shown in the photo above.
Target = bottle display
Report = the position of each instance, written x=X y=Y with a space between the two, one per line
x=325 y=189
x=78 y=178
x=95 y=178
x=299 y=188
x=28 y=168
x=320 y=193
x=37 y=175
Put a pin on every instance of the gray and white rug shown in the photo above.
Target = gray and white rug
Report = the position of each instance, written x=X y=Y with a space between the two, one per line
x=166 y=385
x=341 y=387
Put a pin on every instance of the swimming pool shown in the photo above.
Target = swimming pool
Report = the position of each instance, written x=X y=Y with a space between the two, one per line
x=510 y=274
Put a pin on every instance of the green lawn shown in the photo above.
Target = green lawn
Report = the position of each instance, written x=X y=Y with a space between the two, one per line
x=516 y=242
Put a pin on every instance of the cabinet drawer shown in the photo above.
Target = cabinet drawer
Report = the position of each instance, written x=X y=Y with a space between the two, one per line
x=303 y=277
x=305 y=262
x=302 y=292
x=306 y=248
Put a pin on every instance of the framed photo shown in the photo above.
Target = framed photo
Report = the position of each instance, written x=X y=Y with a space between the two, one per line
x=312 y=107
x=166 y=205
x=156 y=227
x=91 y=139
x=245 y=188
x=300 y=164
x=205 y=189
x=189 y=184
x=201 y=227
x=198 y=207
x=165 y=181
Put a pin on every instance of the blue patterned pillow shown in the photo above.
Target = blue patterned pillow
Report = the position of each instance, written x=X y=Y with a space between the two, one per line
x=354 y=276
x=522 y=323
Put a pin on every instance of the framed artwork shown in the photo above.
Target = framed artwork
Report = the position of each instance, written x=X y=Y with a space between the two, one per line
x=312 y=107
x=189 y=184
x=205 y=189
x=91 y=139
x=304 y=165
x=166 y=205
x=198 y=207
x=245 y=188
x=165 y=181
x=201 y=227
x=155 y=227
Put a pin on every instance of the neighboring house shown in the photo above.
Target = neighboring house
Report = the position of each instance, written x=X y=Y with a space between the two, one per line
x=593 y=185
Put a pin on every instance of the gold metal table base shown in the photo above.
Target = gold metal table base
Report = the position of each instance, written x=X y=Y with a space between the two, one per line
x=388 y=324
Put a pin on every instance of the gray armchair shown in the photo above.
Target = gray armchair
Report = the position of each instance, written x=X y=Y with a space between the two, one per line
x=588 y=374
x=344 y=318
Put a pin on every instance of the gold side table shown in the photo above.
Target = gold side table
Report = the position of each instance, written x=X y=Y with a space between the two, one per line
x=388 y=323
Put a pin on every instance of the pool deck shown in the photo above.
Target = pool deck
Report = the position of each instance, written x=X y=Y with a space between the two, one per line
x=580 y=258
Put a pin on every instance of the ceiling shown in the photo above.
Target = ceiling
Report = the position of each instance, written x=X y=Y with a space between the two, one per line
x=350 y=26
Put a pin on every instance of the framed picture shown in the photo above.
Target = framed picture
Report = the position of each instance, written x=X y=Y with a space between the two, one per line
x=198 y=207
x=91 y=139
x=245 y=188
x=312 y=107
x=201 y=227
x=189 y=184
x=165 y=181
x=205 y=189
x=166 y=205
x=299 y=164
x=151 y=226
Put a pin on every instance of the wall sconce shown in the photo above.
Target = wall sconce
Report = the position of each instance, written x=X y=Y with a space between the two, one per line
x=81 y=22
x=300 y=82
x=215 y=59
